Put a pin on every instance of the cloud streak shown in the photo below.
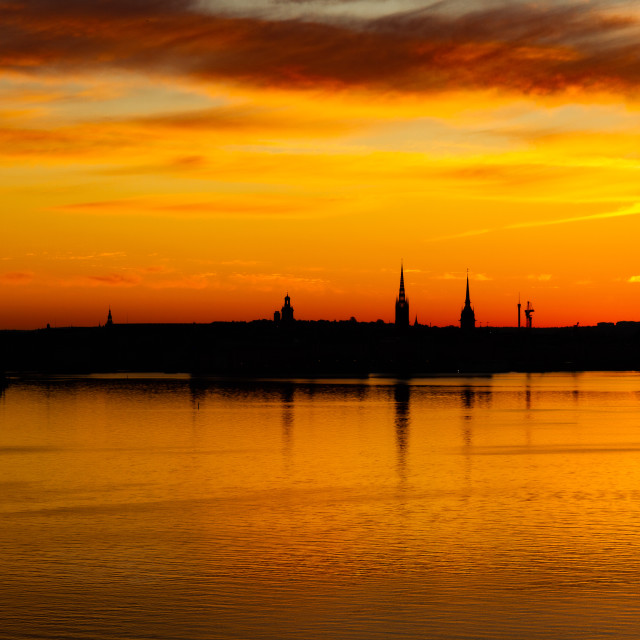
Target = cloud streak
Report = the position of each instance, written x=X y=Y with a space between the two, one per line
x=526 y=48
x=16 y=277
x=114 y=280
x=259 y=205
x=632 y=210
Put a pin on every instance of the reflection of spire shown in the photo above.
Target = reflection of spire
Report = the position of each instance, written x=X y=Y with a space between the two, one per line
x=527 y=405
x=361 y=391
x=197 y=391
x=401 y=394
x=527 y=393
x=472 y=397
x=287 y=399
x=468 y=397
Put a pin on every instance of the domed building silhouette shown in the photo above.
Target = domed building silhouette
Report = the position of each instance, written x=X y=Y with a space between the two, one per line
x=286 y=313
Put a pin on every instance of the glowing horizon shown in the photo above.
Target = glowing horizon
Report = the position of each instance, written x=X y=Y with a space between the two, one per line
x=195 y=161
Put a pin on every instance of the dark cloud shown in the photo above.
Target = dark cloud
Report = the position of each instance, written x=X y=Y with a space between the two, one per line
x=320 y=3
x=524 y=48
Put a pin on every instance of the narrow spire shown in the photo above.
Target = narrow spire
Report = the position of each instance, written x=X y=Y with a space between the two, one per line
x=402 y=304
x=468 y=316
x=467 y=301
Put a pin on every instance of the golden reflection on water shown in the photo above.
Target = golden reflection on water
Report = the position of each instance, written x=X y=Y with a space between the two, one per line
x=498 y=507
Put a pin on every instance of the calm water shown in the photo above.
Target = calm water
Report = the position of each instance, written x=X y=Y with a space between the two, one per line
x=498 y=507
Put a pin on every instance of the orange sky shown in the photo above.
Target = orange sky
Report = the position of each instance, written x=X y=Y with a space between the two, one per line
x=194 y=161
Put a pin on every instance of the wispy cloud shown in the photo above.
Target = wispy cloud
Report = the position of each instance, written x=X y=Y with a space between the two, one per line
x=267 y=282
x=632 y=210
x=463 y=234
x=461 y=275
x=90 y=256
x=240 y=204
x=239 y=263
x=149 y=277
x=250 y=118
x=188 y=281
x=114 y=280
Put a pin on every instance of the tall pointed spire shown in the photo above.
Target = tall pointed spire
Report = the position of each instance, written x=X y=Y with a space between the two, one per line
x=467 y=301
x=468 y=316
x=402 y=304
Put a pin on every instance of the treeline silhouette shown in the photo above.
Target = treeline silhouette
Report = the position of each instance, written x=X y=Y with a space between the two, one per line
x=312 y=348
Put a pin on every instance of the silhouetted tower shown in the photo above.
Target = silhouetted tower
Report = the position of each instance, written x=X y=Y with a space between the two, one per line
x=468 y=316
x=519 y=306
x=527 y=314
x=109 y=319
x=402 y=304
x=286 y=313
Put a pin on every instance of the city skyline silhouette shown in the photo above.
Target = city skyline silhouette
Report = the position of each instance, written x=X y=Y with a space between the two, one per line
x=401 y=319
x=285 y=345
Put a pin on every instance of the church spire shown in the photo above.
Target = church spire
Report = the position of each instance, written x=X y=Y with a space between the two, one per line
x=402 y=304
x=467 y=301
x=468 y=316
